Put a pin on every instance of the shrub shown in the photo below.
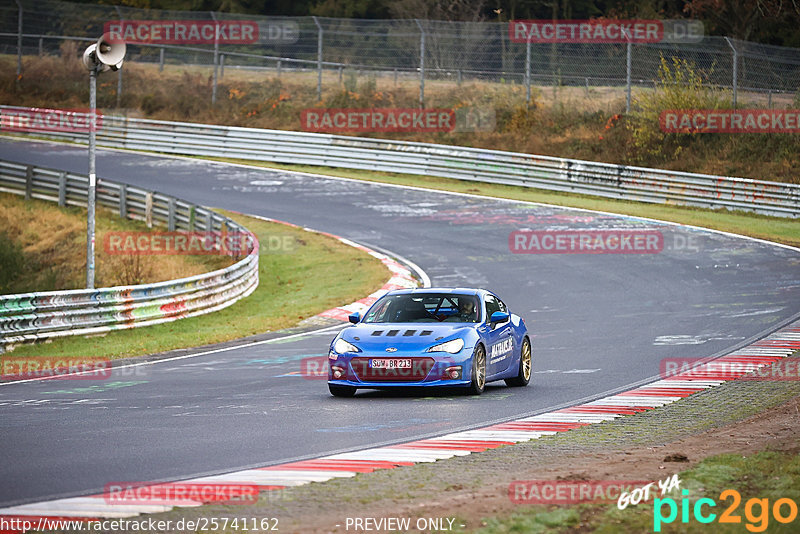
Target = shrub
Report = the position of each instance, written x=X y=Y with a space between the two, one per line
x=680 y=85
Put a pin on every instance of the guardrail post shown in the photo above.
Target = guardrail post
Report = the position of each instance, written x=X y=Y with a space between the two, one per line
x=148 y=209
x=19 y=42
x=421 y=64
x=28 y=182
x=319 y=59
x=192 y=215
x=209 y=221
x=171 y=214
x=123 y=201
x=62 y=189
x=161 y=59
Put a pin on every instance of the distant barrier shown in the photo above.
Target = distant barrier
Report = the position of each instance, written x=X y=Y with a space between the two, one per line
x=30 y=317
x=481 y=165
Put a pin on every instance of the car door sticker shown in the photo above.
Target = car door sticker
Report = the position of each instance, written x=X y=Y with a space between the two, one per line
x=500 y=351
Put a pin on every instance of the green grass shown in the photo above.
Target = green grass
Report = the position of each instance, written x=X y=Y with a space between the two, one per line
x=313 y=274
x=765 y=475
x=778 y=229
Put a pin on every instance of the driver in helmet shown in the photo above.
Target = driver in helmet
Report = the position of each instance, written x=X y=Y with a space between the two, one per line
x=466 y=310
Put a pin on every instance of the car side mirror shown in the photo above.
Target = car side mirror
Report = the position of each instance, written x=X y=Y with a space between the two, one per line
x=354 y=317
x=499 y=317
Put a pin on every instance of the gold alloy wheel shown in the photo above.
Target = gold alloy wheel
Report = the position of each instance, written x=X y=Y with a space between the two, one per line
x=526 y=359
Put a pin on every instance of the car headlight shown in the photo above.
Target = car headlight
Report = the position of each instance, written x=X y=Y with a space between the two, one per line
x=452 y=346
x=341 y=346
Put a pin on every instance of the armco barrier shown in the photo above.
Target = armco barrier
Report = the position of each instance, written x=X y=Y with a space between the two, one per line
x=33 y=316
x=492 y=166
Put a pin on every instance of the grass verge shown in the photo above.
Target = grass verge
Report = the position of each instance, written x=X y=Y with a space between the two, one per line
x=309 y=274
x=43 y=248
x=778 y=229
x=760 y=480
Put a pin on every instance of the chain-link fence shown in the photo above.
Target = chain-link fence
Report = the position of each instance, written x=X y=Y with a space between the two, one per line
x=419 y=50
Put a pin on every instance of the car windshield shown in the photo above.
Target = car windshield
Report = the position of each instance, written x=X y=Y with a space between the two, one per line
x=424 y=308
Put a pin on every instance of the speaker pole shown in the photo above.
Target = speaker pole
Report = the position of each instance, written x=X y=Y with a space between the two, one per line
x=99 y=57
x=90 y=199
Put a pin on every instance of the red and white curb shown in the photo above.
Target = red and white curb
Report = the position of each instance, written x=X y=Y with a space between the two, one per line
x=764 y=352
x=402 y=277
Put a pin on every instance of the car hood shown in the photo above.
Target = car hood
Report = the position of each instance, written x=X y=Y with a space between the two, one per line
x=403 y=336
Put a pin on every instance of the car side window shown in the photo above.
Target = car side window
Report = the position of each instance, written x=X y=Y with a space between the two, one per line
x=492 y=305
x=502 y=305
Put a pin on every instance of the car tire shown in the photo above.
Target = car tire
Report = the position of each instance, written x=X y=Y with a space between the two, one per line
x=525 y=363
x=341 y=391
x=478 y=382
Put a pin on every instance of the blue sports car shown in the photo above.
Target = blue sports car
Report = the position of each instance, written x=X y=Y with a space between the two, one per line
x=431 y=337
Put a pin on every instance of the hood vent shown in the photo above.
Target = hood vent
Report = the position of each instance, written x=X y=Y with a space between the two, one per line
x=407 y=333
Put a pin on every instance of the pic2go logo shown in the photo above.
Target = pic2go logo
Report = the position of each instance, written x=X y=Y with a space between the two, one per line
x=756 y=511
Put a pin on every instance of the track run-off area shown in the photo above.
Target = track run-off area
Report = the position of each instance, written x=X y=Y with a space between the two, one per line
x=599 y=323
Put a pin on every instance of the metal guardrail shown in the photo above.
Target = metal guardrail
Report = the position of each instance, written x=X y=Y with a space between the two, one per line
x=34 y=316
x=490 y=166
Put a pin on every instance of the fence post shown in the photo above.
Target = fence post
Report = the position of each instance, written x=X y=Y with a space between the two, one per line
x=421 y=64
x=19 y=41
x=222 y=65
x=628 y=77
x=62 y=189
x=735 y=69
x=41 y=46
x=216 y=59
x=119 y=71
x=319 y=59
x=527 y=72
x=161 y=59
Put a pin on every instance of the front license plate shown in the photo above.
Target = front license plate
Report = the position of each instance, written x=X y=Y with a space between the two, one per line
x=393 y=363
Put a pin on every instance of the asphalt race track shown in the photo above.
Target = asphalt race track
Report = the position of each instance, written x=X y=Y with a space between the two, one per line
x=600 y=322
